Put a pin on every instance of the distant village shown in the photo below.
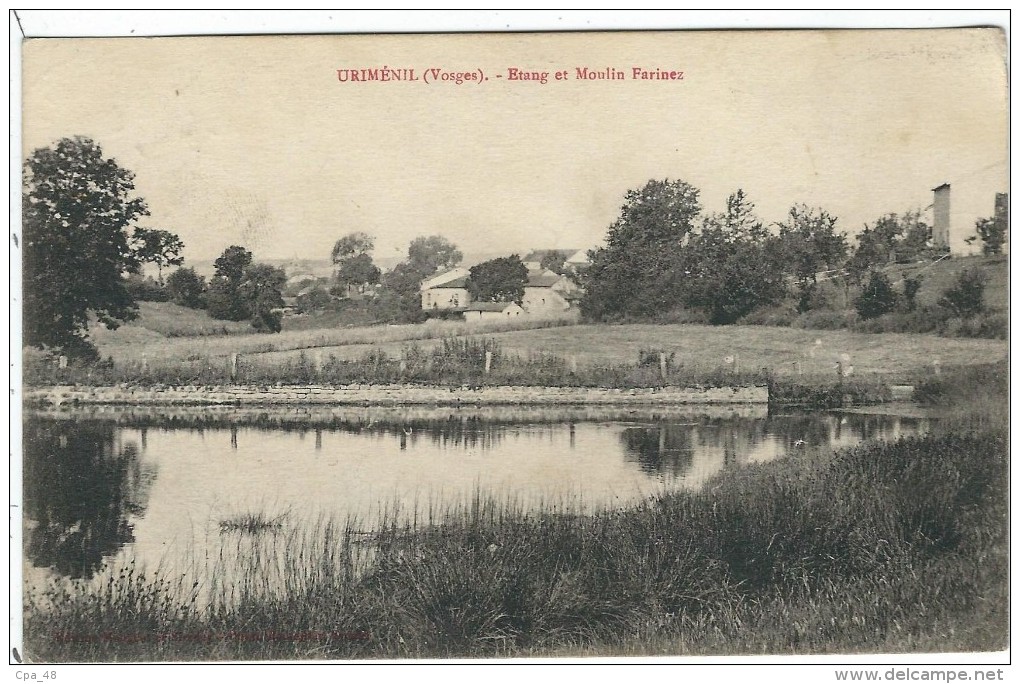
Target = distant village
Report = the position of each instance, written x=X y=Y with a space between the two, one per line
x=548 y=293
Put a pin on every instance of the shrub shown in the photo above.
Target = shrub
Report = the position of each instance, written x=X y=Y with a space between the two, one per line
x=823 y=319
x=966 y=296
x=877 y=298
x=779 y=315
x=145 y=289
x=911 y=286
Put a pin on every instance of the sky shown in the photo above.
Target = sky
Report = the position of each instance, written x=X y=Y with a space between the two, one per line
x=256 y=141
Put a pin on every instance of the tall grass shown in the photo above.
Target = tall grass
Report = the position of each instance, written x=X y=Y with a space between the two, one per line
x=887 y=547
x=454 y=361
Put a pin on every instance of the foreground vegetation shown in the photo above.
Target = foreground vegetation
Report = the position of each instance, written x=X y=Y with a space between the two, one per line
x=886 y=547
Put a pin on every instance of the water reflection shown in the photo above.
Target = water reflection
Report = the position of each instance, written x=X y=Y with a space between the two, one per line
x=82 y=487
x=91 y=486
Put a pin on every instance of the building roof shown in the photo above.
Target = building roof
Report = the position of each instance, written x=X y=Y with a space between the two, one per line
x=540 y=254
x=489 y=306
x=544 y=278
x=459 y=283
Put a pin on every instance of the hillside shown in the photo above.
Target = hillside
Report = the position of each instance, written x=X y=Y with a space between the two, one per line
x=937 y=277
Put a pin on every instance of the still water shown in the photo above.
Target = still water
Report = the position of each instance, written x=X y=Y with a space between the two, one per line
x=106 y=485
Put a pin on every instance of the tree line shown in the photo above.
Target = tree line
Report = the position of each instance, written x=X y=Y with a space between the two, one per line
x=84 y=251
x=663 y=257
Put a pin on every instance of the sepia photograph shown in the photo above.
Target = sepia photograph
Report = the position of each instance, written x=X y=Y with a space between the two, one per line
x=641 y=345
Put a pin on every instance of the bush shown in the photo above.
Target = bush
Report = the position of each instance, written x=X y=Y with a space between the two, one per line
x=316 y=299
x=146 y=289
x=966 y=296
x=780 y=315
x=824 y=319
x=877 y=298
x=675 y=316
x=911 y=286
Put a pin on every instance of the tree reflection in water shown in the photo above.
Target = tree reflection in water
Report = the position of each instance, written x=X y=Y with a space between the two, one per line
x=660 y=449
x=82 y=488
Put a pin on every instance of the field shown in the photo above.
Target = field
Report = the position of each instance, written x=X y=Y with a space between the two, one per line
x=885 y=548
x=697 y=349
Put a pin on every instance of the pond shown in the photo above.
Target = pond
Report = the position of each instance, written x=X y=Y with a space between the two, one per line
x=107 y=485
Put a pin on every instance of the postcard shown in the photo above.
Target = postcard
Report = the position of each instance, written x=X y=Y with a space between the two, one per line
x=406 y=347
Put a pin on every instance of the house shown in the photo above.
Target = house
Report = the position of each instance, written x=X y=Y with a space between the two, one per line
x=546 y=293
x=491 y=311
x=450 y=274
x=576 y=261
x=446 y=291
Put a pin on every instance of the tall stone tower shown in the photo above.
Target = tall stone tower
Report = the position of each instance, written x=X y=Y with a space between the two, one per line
x=941 y=230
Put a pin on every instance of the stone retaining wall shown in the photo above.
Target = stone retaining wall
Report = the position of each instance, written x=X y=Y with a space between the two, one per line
x=390 y=395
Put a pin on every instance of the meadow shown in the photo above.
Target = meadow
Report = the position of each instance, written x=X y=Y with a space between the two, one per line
x=175 y=346
x=890 y=547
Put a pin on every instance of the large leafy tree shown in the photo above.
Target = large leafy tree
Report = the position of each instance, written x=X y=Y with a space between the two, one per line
x=809 y=245
x=262 y=290
x=160 y=247
x=352 y=257
x=428 y=255
x=499 y=280
x=903 y=236
x=224 y=299
x=78 y=209
x=731 y=269
x=640 y=271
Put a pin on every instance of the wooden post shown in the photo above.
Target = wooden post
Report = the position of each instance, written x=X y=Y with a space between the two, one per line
x=662 y=365
x=800 y=371
x=936 y=364
x=62 y=361
x=736 y=363
x=573 y=363
x=233 y=366
x=488 y=362
x=403 y=365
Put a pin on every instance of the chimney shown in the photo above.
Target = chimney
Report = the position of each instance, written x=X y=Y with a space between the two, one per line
x=940 y=233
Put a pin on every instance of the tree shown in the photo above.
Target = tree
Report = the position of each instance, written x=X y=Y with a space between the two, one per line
x=809 y=244
x=352 y=257
x=223 y=298
x=404 y=281
x=357 y=271
x=640 y=271
x=262 y=291
x=186 y=288
x=553 y=261
x=730 y=270
x=160 y=247
x=499 y=280
x=904 y=237
x=425 y=256
x=877 y=298
x=428 y=255
x=992 y=234
x=77 y=209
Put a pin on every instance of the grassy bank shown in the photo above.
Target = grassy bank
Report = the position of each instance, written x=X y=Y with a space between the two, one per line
x=888 y=547
x=467 y=362
x=169 y=332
